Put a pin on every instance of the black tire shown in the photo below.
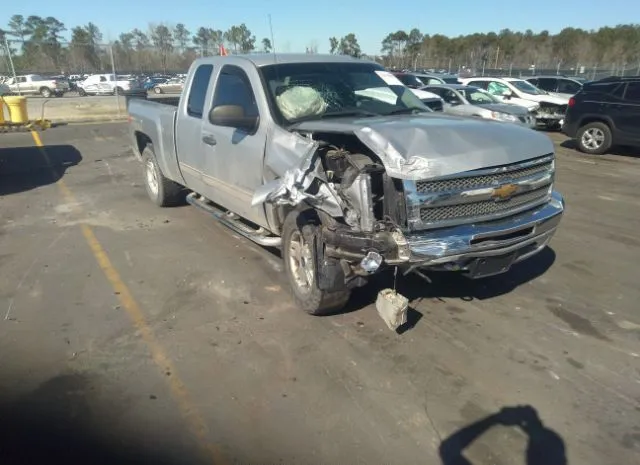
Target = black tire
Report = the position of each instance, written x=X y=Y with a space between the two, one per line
x=45 y=92
x=118 y=91
x=311 y=298
x=165 y=193
x=81 y=92
x=596 y=127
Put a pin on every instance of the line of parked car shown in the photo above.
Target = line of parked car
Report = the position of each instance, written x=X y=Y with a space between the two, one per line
x=95 y=84
x=597 y=114
x=499 y=97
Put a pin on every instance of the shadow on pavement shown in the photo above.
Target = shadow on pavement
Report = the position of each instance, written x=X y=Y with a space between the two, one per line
x=616 y=150
x=453 y=285
x=26 y=168
x=545 y=446
x=68 y=420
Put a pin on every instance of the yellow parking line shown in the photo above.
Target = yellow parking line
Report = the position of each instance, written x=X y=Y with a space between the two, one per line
x=178 y=389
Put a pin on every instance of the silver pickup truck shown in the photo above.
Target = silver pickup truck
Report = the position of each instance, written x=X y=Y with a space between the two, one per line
x=341 y=166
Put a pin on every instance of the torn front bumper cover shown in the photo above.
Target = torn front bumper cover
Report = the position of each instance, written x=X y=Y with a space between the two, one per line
x=457 y=248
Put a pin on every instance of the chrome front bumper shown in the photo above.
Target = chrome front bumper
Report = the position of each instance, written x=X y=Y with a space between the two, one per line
x=456 y=247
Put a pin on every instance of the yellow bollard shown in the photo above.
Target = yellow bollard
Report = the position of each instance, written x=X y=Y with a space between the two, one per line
x=17 y=109
x=1 y=111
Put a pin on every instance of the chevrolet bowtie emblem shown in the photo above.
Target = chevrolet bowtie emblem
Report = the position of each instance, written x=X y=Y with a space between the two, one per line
x=504 y=192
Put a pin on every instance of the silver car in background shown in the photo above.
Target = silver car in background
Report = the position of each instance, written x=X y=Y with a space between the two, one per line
x=472 y=101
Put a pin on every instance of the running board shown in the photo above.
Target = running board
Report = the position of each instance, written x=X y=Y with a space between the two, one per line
x=233 y=222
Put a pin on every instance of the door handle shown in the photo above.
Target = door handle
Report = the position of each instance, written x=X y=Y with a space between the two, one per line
x=209 y=139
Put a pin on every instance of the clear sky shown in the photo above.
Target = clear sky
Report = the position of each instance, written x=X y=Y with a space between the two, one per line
x=298 y=23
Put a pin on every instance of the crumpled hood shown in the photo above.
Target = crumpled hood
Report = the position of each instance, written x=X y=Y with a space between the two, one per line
x=430 y=145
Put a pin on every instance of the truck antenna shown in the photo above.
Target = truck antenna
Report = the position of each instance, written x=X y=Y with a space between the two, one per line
x=273 y=42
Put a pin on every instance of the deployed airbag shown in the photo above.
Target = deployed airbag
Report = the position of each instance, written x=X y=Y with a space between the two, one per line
x=300 y=101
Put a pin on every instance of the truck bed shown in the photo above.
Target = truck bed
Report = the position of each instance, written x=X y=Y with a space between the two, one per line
x=156 y=119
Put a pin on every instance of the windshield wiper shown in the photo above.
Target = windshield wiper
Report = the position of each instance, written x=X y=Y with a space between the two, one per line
x=407 y=111
x=339 y=114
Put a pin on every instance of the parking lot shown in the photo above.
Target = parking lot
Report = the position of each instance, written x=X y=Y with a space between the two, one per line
x=130 y=333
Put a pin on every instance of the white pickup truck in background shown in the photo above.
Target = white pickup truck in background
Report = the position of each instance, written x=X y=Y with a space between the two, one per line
x=109 y=84
x=33 y=84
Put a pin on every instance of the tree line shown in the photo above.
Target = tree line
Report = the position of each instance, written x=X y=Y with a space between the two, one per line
x=36 y=44
x=617 y=46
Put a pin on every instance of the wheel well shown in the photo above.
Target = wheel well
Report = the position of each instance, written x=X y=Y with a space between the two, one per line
x=594 y=119
x=142 y=140
x=43 y=88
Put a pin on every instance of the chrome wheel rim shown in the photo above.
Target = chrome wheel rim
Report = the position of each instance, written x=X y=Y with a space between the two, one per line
x=593 y=138
x=301 y=261
x=152 y=178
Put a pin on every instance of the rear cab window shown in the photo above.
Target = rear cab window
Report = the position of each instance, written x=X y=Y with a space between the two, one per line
x=198 y=91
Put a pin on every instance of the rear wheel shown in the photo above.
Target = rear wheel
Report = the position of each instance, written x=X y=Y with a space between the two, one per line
x=594 y=138
x=162 y=191
x=45 y=92
x=301 y=267
x=118 y=91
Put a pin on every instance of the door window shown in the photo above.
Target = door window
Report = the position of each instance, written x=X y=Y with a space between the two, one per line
x=498 y=88
x=451 y=97
x=198 y=91
x=566 y=86
x=633 y=92
x=233 y=88
x=548 y=84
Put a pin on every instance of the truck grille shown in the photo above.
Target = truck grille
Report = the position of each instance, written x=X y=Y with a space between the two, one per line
x=484 y=208
x=474 y=195
x=475 y=182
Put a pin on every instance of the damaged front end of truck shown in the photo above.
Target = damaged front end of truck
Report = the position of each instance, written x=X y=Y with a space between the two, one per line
x=416 y=193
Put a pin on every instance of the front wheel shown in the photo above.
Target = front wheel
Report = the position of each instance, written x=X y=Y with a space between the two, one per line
x=81 y=92
x=301 y=267
x=157 y=90
x=594 y=138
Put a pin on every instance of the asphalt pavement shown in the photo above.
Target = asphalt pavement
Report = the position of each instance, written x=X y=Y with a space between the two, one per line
x=134 y=334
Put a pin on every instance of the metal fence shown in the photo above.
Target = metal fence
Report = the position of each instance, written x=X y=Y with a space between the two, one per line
x=138 y=57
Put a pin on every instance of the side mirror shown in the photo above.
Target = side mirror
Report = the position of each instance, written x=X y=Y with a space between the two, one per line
x=232 y=116
x=507 y=94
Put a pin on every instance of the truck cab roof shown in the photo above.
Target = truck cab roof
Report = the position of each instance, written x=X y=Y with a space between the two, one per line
x=265 y=59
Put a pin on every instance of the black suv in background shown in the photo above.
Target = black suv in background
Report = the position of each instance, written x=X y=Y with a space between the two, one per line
x=605 y=113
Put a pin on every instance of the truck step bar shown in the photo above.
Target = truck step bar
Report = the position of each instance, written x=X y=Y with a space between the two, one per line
x=234 y=222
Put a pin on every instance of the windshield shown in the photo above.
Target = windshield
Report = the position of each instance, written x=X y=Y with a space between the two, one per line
x=527 y=87
x=304 y=91
x=479 y=96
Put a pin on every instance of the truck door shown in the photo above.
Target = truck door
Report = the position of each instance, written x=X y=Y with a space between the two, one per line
x=90 y=85
x=234 y=156
x=189 y=145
